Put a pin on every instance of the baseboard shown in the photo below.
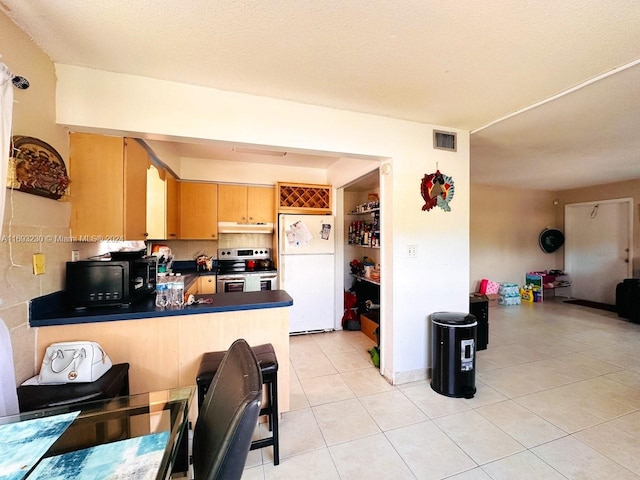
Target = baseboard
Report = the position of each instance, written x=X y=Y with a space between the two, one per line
x=411 y=376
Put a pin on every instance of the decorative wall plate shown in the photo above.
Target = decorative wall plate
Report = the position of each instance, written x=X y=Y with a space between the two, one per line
x=36 y=167
x=437 y=189
x=551 y=239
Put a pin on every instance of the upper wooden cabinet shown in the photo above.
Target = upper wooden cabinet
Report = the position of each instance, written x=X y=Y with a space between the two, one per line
x=303 y=198
x=198 y=210
x=163 y=204
x=173 y=207
x=245 y=204
x=156 y=203
x=108 y=190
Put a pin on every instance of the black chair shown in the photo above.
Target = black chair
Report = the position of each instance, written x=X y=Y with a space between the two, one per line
x=228 y=417
x=268 y=362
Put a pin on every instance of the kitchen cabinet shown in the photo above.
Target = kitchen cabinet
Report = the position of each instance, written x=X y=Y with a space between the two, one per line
x=163 y=203
x=198 y=210
x=303 y=198
x=164 y=352
x=156 y=203
x=108 y=190
x=206 y=284
x=245 y=204
x=173 y=207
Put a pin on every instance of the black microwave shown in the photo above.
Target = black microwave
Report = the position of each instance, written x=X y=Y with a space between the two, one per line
x=110 y=282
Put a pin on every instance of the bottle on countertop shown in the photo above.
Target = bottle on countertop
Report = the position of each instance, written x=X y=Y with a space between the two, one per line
x=171 y=288
x=162 y=293
x=178 y=291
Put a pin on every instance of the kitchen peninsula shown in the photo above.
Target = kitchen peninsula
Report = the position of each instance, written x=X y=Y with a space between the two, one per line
x=164 y=346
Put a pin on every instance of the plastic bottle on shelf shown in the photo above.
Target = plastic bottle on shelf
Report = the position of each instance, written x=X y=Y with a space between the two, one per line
x=162 y=294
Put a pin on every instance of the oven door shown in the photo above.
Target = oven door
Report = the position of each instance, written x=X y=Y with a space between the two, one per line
x=227 y=284
x=255 y=282
x=268 y=282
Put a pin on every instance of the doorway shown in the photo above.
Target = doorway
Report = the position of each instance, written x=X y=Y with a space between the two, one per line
x=598 y=247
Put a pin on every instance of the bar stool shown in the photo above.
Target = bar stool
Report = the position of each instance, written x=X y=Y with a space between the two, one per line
x=269 y=366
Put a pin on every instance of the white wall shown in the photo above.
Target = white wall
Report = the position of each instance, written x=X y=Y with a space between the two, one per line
x=437 y=280
x=252 y=173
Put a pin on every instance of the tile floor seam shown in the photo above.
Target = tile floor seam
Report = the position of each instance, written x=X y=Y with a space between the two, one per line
x=547 y=463
x=601 y=454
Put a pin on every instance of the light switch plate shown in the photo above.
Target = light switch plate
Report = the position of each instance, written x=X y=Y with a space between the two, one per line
x=38 y=263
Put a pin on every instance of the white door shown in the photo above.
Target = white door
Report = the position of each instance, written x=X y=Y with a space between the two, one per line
x=598 y=248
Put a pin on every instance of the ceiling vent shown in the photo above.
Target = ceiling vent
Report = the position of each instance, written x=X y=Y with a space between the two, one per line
x=444 y=140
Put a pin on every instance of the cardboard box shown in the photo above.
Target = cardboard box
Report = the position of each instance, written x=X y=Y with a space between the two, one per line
x=369 y=325
x=491 y=298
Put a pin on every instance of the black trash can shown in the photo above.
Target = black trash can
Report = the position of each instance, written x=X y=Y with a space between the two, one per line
x=454 y=338
x=628 y=299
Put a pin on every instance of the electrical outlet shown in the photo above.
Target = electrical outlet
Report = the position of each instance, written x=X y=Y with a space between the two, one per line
x=38 y=263
x=413 y=251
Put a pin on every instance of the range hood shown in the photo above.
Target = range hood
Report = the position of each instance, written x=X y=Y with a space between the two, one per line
x=237 y=227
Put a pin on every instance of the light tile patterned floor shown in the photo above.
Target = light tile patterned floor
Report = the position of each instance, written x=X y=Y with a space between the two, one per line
x=558 y=397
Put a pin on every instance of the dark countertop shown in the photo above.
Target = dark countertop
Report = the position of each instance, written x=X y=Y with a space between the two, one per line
x=52 y=310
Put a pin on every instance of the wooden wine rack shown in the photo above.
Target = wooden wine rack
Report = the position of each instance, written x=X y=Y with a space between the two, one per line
x=303 y=198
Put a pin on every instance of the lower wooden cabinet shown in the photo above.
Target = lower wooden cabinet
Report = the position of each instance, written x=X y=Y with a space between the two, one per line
x=206 y=284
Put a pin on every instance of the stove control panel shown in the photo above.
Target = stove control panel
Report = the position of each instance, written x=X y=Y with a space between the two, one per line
x=249 y=253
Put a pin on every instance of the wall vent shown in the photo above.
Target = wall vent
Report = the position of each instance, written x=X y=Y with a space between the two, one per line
x=444 y=140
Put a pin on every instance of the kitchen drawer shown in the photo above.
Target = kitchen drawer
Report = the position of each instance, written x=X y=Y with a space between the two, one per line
x=369 y=326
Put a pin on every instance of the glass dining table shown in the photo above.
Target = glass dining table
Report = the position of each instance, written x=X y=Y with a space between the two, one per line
x=140 y=436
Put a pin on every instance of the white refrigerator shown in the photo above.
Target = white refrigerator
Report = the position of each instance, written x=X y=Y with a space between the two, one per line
x=306 y=270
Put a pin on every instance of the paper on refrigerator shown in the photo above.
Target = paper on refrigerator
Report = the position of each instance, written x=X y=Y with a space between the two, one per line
x=298 y=234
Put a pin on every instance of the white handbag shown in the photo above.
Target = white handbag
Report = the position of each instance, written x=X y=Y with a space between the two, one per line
x=73 y=362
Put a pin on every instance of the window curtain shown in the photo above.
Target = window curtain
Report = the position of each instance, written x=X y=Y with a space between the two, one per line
x=8 y=396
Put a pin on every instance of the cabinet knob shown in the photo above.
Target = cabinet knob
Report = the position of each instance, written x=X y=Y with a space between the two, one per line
x=172 y=234
x=145 y=234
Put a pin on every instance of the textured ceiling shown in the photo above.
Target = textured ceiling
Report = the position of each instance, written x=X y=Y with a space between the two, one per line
x=459 y=64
